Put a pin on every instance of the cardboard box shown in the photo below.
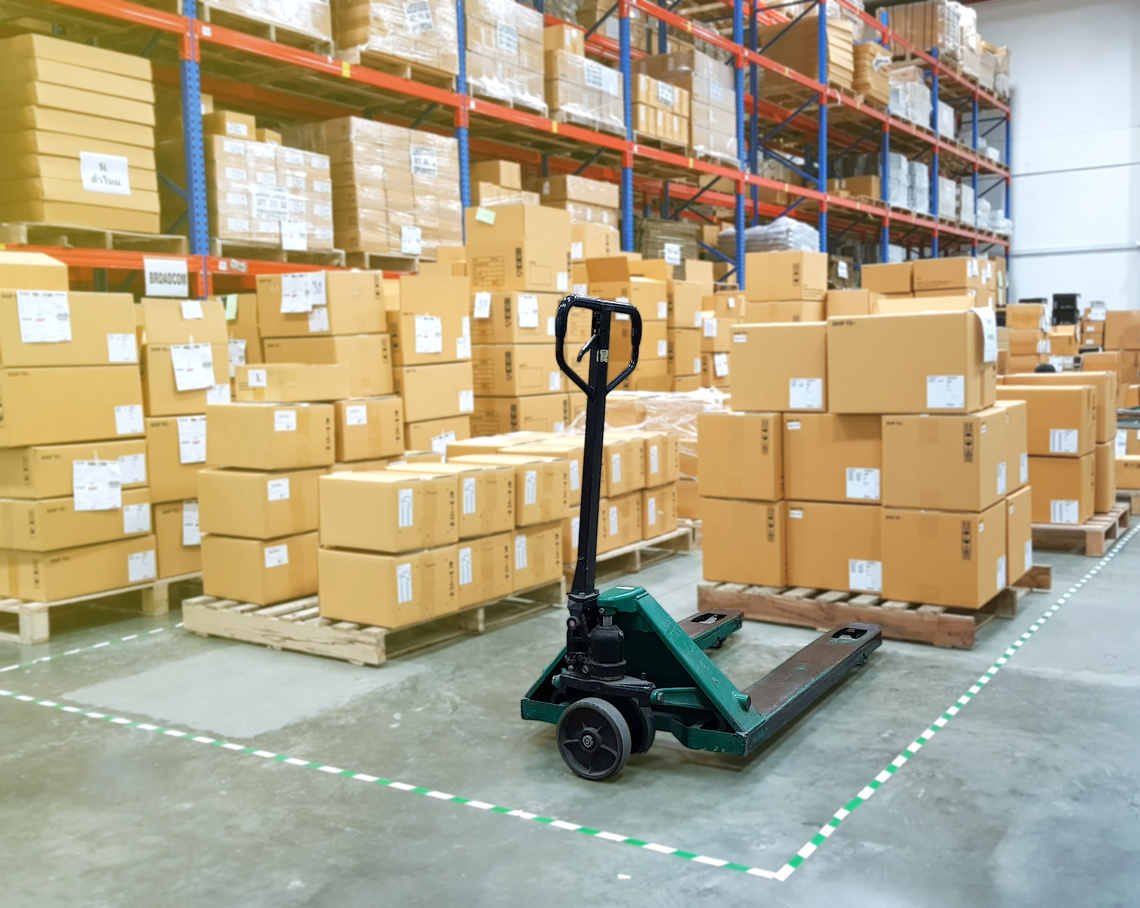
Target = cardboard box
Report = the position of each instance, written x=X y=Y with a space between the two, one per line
x=485 y=494
x=742 y=456
x=567 y=447
x=644 y=285
x=945 y=463
x=717 y=333
x=777 y=313
x=367 y=356
x=944 y=557
x=893 y=278
x=353 y=304
x=688 y=499
x=537 y=555
x=624 y=464
x=1122 y=329
x=591 y=241
x=389 y=511
x=197 y=363
x=516 y=318
x=1019 y=534
x=775 y=276
x=1063 y=341
x=176 y=451
x=1105 y=384
x=1107 y=361
x=52 y=576
x=177 y=539
x=716 y=371
x=685 y=304
x=541 y=485
x=229 y=123
x=1027 y=341
x=1104 y=478
x=1064 y=488
x=684 y=345
x=1128 y=472
x=47 y=471
x=516 y=370
x=261 y=571
x=833 y=458
x=257 y=436
x=540 y=413
x=497 y=444
x=661 y=456
x=932 y=301
x=835 y=546
x=507 y=174
x=68 y=329
x=436 y=434
x=165 y=322
x=435 y=392
x=728 y=304
x=744 y=541
x=69 y=404
x=1017 y=437
x=291 y=382
x=485 y=569
x=257 y=504
x=368 y=428
x=960 y=273
x=851 y=302
x=927 y=363
x=518 y=247
x=1027 y=316
x=658 y=511
x=388 y=590
x=432 y=323
x=1062 y=419
x=32 y=271
x=619 y=522
x=47 y=524
x=780 y=367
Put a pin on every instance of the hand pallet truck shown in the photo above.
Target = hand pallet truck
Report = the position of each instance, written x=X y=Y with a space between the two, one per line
x=628 y=669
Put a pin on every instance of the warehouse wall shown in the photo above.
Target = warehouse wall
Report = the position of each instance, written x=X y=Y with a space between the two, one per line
x=1075 y=72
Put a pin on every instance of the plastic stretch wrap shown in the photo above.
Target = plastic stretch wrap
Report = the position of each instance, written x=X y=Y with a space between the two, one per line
x=584 y=92
x=307 y=17
x=944 y=24
x=712 y=97
x=966 y=202
x=422 y=32
x=782 y=234
x=505 y=52
x=919 y=187
x=945 y=120
x=910 y=96
x=898 y=182
x=947 y=197
x=834 y=11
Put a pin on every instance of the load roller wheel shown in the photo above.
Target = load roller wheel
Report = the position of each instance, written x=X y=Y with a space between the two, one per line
x=593 y=738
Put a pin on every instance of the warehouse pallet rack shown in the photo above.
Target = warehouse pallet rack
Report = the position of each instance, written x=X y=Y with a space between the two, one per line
x=275 y=79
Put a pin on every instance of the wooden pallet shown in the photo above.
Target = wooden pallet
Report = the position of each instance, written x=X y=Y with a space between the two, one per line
x=34 y=616
x=267 y=252
x=823 y=610
x=384 y=261
x=573 y=118
x=226 y=17
x=25 y=234
x=1094 y=535
x=297 y=625
x=1131 y=497
x=397 y=66
x=695 y=526
x=644 y=138
x=632 y=558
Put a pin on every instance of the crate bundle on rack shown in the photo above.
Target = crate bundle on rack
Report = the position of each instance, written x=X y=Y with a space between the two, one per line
x=420 y=35
x=505 y=53
x=580 y=90
x=798 y=49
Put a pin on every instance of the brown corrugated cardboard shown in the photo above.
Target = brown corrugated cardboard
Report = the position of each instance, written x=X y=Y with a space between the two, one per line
x=688 y=499
x=388 y=590
x=835 y=546
x=1019 y=534
x=947 y=558
x=229 y=123
x=776 y=313
x=257 y=504
x=1062 y=420
x=1104 y=478
x=684 y=345
x=685 y=304
x=176 y=451
x=353 y=304
x=432 y=323
x=516 y=370
x=518 y=247
x=537 y=555
x=624 y=464
x=1128 y=472
x=436 y=434
x=32 y=271
x=507 y=174
x=945 y=463
x=780 y=367
x=270 y=436
x=565 y=446
x=1017 y=436
x=54 y=523
x=851 y=302
x=658 y=511
x=1026 y=316
x=1122 y=329
x=961 y=273
x=716 y=370
x=893 y=278
x=774 y=276
x=935 y=301
x=540 y=413
x=485 y=494
x=177 y=539
x=368 y=428
x=716 y=333
x=52 y=576
x=165 y=322
x=291 y=382
x=661 y=454
x=69 y=404
x=367 y=357
x=47 y=471
x=485 y=569
x=496 y=444
x=742 y=456
x=744 y=541
x=435 y=392
x=832 y=458
x=1105 y=384
x=162 y=368
x=619 y=522
x=389 y=511
x=68 y=329
x=542 y=484
x=1064 y=488
x=261 y=571
x=514 y=318
x=930 y=362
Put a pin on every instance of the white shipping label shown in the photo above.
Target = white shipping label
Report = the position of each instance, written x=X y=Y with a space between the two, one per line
x=651 y=510
x=132 y=469
x=583 y=290
x=530 y=492
x=107 y=173
x=1024 y=469
x=166 y=277
x=1064 y=441
x=528 y=310
x=44 y=315
x=191 y=533
x=463 y=347
x=411 y=240
x=403 y=583
x=136 y=519
x=466 y=326
x=550 y=332
x=575 y=530
x=425 y=162
x=192 y=310
x=129 y=420
x=96 y=485
x=257 y=378
x=318 y=319
x=277 y=490
x=662 y=349
x=796 y=514
x=482 y=305
x=654 y=460
x=862 y=484
x=520 y=553
x=1028 y=554
x=989 y=334
x=1062 y=511
x=191 y=439
x=573 y=476
x=237 y=355
x=1122 y=443
x=555 y=383
x=945 y=392
x=593 y=75
x=613 y=521
x=218 y=394
x=615 y=469
x=466 y=401
x=300 y=292
x=193 y=366
x=841 y=270
x=665 y=96
x=710 y=328
x=672 y=254
x=276 y=556
x=429 y=334
x=805 y=393
x=284 y=420
x=576 y=251
x=1001 y=478
x=559 y=427
x=662 y=310
x=121 y=348
x=469 y=495
x=696 y=365
x=407 y=516
x=865 y=576
x=792 y=425
x=1001 y=573
x=971 y=267
x=295 y=235
x=562 y=281
x=720 y=364
x=466 y=575
x=141 y=566
x=439 y=443
x=356 y=415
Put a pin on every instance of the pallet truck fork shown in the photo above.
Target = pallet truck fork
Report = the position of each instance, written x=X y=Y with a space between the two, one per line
x=628 y=669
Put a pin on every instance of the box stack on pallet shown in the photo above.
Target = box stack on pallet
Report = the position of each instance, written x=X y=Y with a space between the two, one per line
x=499 y=183
x=644 y=285
x=409 y=40
x=661 y=110
x=588 y=201
x=580 y=90
x=505 y=53
x=1122 y=335
x=684 y=324
x=709 y=85
x=798 y=49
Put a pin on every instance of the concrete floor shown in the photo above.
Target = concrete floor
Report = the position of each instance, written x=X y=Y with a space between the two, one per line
x=1031 y=796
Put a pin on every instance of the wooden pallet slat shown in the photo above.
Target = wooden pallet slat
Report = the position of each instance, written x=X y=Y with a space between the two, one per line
x=1094 y=535
x=645 y=552
x=29 y=234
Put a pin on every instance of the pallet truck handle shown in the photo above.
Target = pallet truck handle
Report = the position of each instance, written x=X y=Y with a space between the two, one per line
x=602 y=310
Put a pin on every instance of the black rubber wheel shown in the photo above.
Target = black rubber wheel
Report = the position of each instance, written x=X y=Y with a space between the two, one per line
x=640 y=722
x=593 y=738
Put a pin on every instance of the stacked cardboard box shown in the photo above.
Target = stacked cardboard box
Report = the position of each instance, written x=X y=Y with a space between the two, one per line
x=872 y=64
x=588 y=201
x=423 y=34
x=75 y=512
x=1092 y=326
x=505 y=53
x=1028 y=336
x=685 y=323
x=78 y=136
x=661 y=110
x=798 y=49
x=600 y=15
x=579 y=90
x=499 y=183
x=1122 y=333
x=307 y=17
x=712 y=94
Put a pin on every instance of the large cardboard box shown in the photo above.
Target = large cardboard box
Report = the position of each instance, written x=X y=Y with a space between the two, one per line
x=515 y=318
x=1064 y=488
x=661 y=455
x=1105 y=384
x=568 y=447
x=774 y=276
x=165 y=322
x=946 y=558
x=257 y=504
x=742 y=455
x=780 y=367
x=177 y=539
x=291 y=382
x=432 y=323
x=69 y=404
x=485 y=569
x=367 y=356
x=777 y=313
x=368 y=428
x=537 y=555
x=485 y=494
x=851 y=302
x=1019 y=534
x=257 y=436
x=926 y=301
x=684 y=345
x=261 y=571
x=47 y=524
x=342 y=302
x=48 y=471
x=388 y=590
x=52 y=576
x=176 y=450
x=1062 y=420
x=933 y=362
x=518 y=247
x=539 y=413
x=1017 y=437
x=163 y=368
x=959 y=273
x=39 y=328
x=388 y=512
x=541 y=485
x=435 y=392
x=688 y=499
x=685 y=304
x=945 y=463
x=835 y=546
x=658 y=511
x=436 y=434
x=744 y=541
x=833 y=458
x=1026 y=316
x=1104 y=478
x=32 y=271
x=623 y=464
x=893 y=278
x=620 y=522
x=717 y=334
x=1122 y=329
x=1128 y=472
x=516 y=370
x=644 y=285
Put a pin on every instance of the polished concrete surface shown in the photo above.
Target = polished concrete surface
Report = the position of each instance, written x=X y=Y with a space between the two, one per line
x=1031 y=796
